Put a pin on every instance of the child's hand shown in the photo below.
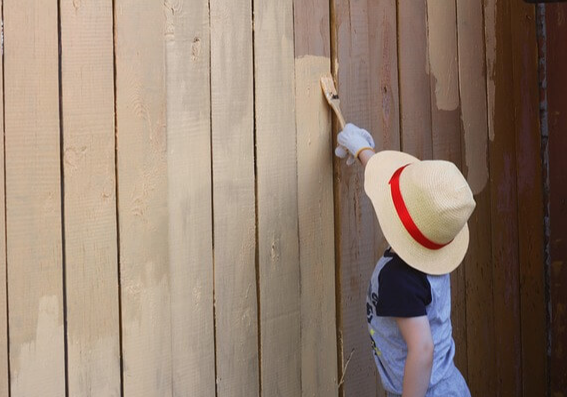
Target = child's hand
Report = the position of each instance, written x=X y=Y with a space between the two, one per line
x=352 y=140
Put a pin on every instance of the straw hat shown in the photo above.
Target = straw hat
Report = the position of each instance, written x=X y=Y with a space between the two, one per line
x=422 y=207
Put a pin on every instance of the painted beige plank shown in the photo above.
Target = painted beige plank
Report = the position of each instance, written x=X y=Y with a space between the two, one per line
x=276 y=163
x=444 y=78
x=472 y=89
x=446 y=134
x=234 y=202
x=33 y=202
x=480 y=369
x=415 y=95
x=90 y=200
x=142 y=198
x=315 y=193
x=4 y=374
x=190 y=217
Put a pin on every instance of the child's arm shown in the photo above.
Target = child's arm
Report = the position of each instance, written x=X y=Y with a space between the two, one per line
x=417 y=372
x=365 y=155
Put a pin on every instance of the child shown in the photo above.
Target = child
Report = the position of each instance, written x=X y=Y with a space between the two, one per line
x=422 y=208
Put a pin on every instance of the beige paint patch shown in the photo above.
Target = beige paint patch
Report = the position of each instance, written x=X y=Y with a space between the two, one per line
x=144 y=328
x=316 y=122
x=490 y=36
x=95 y=376
x=443 y=63
x=472 y=84
x=48 y=343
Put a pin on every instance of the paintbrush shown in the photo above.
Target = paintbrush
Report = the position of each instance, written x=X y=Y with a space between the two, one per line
x=332 y=97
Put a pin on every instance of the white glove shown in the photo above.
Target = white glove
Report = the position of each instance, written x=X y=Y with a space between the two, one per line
x=352 y=140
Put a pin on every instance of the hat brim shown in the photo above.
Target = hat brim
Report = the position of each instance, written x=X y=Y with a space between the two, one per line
x=377 y=175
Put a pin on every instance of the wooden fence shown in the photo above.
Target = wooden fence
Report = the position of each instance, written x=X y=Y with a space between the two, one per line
x=175 y=224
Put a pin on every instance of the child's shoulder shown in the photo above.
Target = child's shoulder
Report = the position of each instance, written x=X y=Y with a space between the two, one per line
x=402 y=290
x=394 y=266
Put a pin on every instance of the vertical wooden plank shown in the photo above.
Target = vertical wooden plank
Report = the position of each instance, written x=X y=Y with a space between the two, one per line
x=142 y=198
x=234 y=203
x=33 y=202
x=90 y=201
x=276 y=165
x=415 y=95
x=384 y=94
x=365 y=64
x=504 y=208
x=446 y=133
x=189 y=196
x=384 y=86
x=444 y=74
x=354 y=214
x=480 y=366
x=315 y=192
x=530 y=201
x=4 y=371
x=555 y=16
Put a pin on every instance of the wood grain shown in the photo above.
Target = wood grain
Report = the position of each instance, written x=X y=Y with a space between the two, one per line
x=504 y=205
x=383 y=81
x=276 y=167
x=556 y=58
x=415 y=87
x=234 y=199
x=446 y=134
x=33 y=199
x=355 y=219
x=187 y=51
x=143 y=198
x=479 y=369
x=4 y=356
x=315 y=195
x=530 y=201
x=87 y=72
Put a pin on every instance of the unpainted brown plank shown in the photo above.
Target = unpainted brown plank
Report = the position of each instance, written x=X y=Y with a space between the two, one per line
x=187 y=51
x=315 y=194
x=384 y=96
x=415 y=95
x=33 y=199
x=237 y=357
x=383 y=81
x=356 y=225
x=479 y=368
x=142 y=198
x=87 y=72
x=277 y=201
x=530 y=201
x=446 y=133
x=504 y=206
x=556 y=60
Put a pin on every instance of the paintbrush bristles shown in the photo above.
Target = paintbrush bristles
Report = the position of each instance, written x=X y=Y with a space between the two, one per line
x=330 y=92
x=328 y=86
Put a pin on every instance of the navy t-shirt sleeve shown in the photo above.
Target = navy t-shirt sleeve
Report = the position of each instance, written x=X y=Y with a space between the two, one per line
x=403 y=291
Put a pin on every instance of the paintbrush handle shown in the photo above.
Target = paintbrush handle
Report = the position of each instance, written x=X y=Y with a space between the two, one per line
x=335 y=105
